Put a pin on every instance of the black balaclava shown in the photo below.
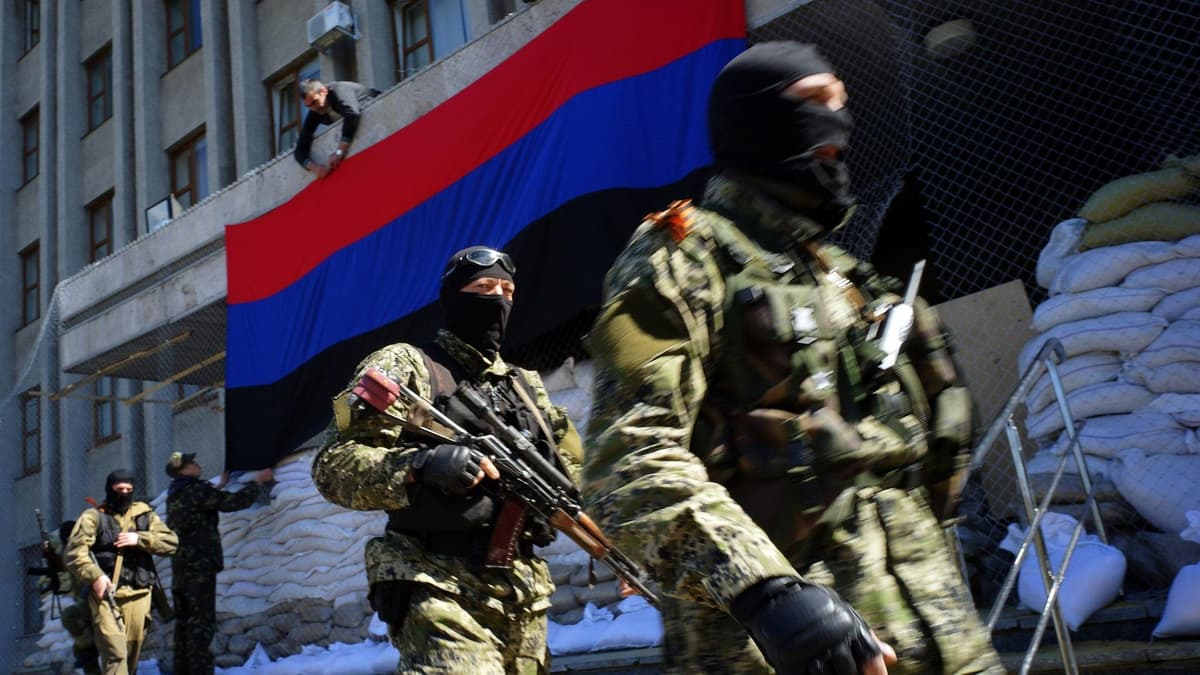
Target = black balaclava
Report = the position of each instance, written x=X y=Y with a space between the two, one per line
x=478 y=320
x=118 y=502
x=753 y=128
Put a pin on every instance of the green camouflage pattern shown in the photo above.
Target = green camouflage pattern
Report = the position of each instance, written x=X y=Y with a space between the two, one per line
x=195 y=598
x=738 y=412
x=456 y=634
x=366 y=464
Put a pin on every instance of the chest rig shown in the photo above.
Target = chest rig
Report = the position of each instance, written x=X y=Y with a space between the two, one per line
x=137 y=570
x=798 y=409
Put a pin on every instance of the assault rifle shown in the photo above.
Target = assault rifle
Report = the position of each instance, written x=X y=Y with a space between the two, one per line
x=108 y=593
x=52 y=569
x=525 y=474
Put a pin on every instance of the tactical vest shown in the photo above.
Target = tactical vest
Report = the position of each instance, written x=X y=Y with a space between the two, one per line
x=463 y=524
x=797 y=410
x=137 y=570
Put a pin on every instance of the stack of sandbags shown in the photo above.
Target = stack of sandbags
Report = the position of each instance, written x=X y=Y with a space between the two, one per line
x=1124 y=283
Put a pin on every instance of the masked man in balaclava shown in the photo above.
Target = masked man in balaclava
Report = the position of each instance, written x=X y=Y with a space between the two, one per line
x=452 y=602
x=748 y=438
x=110 y=550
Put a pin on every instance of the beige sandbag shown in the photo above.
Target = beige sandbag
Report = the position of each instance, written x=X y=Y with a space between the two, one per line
x=1158 y=221
x=1123 y=195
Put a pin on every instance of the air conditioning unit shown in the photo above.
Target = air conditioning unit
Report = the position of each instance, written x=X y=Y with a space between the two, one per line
x=330 y=25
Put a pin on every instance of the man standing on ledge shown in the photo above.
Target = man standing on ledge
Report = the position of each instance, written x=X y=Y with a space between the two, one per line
x=193 y=510
x=326 y=104
x=747 y=428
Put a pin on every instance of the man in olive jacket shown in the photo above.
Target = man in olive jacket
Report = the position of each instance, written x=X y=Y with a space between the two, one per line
x=193 y=510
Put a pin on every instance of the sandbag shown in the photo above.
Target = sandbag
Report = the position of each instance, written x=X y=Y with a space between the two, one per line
x=1125 y=195
x=1096 y=302
x=1163 y=488
x=1173 y=306
x=1188 y=247
x=1124 y=332
x=1179 y=342
x=1045 y=461
x=1181 y=616
x=1064 y=244
x=1092 y=580
x=1108 y=266
x=1185 y=408
x=1179 y=378
x=1192 y=531
x=1107 y=435
x=1106 y=398
x=637 y=624
x=1160 y=221
x=1075 y=373
x=1171 y=275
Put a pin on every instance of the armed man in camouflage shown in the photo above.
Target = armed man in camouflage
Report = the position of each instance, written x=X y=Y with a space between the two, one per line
x=454 y=600
x=747 y=439
x=194 y=506
x=110 y=551
x=76 y=618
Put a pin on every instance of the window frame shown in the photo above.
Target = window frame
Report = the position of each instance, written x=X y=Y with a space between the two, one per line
x=195 y=166
x=27 y=433
x=31 y=25
x=31 y=256
x=192 y=38
x=101 y=206
x=30 y=126
x=102 y=58
x=284 y=90
x=104 y=403
x=400 y=38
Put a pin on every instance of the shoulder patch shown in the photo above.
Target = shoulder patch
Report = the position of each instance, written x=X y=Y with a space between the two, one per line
x=676 y=220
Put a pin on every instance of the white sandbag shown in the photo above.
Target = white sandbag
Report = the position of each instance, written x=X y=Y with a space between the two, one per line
x=1162 y=488
x=1076 y=372
x=1045 y=461
x=1181 y=616
x=1106 y=398
x=250 y=589
x=1123 y=332
x=1185 y=408
x=579 y=637
x=1173 y=306
x=585 y=373
x=1192 y=531
x=562 y=377
x=1171 y=276
x=1096 y=302
x=1106 y=436
x=637 y=624
x=1179 y=378
x=1108 y=266
x=1179 y=342
x=1192 y=314
x=1092 y=580
x=311 y=529
x=1063 y=244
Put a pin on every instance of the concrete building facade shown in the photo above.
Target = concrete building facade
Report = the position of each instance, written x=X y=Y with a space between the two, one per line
x=131 y=133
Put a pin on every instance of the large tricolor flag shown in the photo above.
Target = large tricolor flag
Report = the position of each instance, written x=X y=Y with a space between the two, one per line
x=555 y=155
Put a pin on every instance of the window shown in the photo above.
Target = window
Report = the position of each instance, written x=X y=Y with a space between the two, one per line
x=29 y=146
x=498 y=9
x=414 y=36
x=30 y=21
x=189 y=178
x=99 y=87
x=31 y=432
x=104 y=412
x=31 y=301
x=183 y=30
x=286 y=108
x=31 y=556
x=100 y=224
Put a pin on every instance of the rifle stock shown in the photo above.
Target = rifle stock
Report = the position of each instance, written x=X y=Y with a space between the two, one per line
x=526 y=476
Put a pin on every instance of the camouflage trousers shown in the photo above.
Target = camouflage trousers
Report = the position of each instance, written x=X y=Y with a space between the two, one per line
x=119 y=650
x=450 y=634
x=195 y=622
x=889 y=559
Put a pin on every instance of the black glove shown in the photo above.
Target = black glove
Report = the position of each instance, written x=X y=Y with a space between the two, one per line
x=804 y=628
x=452 y=468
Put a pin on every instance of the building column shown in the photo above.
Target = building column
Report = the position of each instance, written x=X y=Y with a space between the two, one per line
x=374 y=48
x=252 y=127
x=218 y=105
x=126 y=217
x=149 y=52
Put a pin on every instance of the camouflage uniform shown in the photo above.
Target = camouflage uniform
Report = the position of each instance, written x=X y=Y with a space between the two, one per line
x=460 y=616
x=740 y=432
x=193 y=511
x=75 y=617
x=119 y=650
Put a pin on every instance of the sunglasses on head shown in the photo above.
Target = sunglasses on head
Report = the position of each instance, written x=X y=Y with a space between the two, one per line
x=481 y=257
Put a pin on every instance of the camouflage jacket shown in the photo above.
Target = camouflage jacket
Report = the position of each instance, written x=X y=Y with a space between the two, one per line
x=193 y=511
x=680 y=365
x=157 y=539
x=365 y=466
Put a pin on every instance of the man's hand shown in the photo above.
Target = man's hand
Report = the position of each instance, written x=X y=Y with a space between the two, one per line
x=456 y=469
x=224 y=480
x=127 y=539
x=264 y=476
x=319 y=169
x=101 y=586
